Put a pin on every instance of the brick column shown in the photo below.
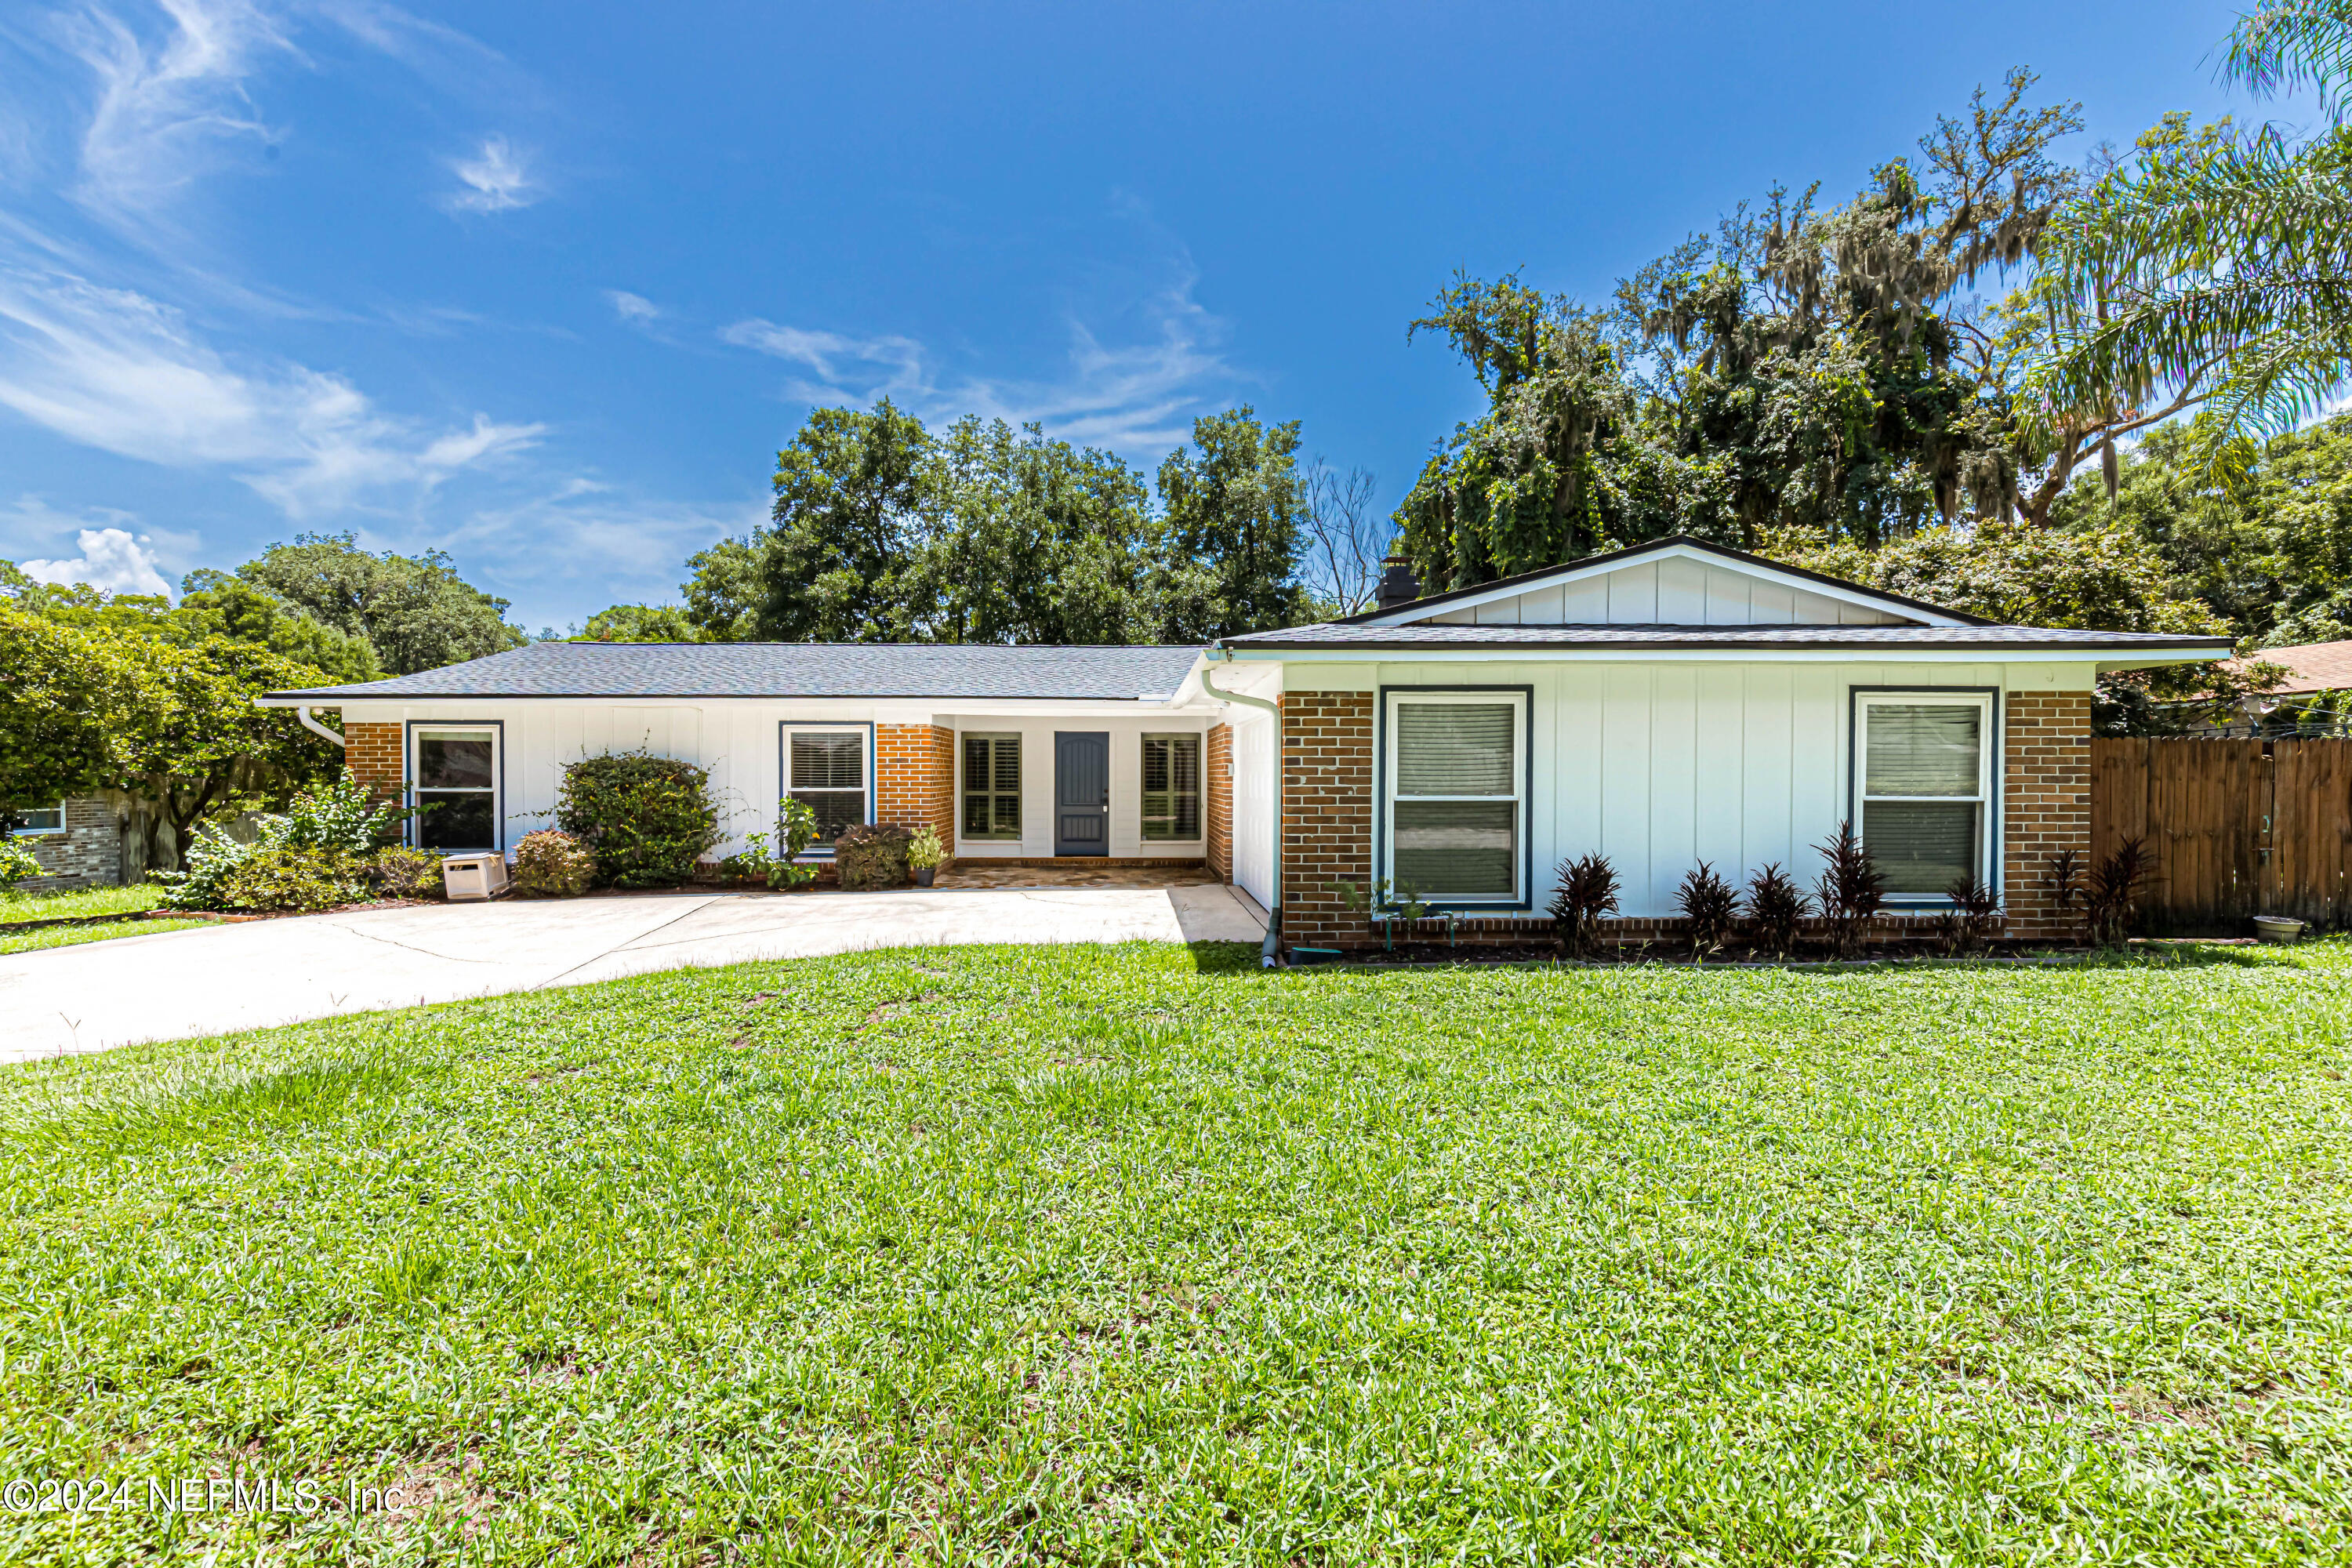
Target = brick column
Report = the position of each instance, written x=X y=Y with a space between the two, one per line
x=1327 y=813
x=1220 y=802
x=914 y=778
x=2046 y=805
x=372 y=756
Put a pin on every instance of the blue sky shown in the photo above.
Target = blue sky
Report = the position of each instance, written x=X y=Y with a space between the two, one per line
x=545 y=286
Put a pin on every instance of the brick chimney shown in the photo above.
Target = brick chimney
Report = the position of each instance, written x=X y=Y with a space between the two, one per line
x=1398 y=584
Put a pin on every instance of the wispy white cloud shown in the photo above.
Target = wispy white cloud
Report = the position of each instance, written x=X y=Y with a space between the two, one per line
x=495 y=180
x=584 y=538
x=112 y=560
x=1137 y=397
x=168 y=108
x=634 y=309
x=116 y=370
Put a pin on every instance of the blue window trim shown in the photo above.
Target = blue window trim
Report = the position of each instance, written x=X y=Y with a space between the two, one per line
x=784 y=727
x=408 y=775
x=1526 y=801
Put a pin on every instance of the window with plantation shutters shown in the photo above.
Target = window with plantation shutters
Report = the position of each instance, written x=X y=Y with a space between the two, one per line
x=1924 y=767
x=991 y=786
x=1455 y=811
x=1171 y=787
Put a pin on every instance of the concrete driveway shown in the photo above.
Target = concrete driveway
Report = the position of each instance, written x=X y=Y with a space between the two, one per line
x=176 y=984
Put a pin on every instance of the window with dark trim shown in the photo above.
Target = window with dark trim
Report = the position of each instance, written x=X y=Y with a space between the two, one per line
x=1923 y=787
x=991 y=786
x=825 y=770
x=1455 y=811
x=1171 y=787
x=453 y=772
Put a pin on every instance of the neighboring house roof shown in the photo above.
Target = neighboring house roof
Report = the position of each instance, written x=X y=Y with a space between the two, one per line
x=1354 y=634
x=2316 y=666
x=1678 y=544
x=789 y=669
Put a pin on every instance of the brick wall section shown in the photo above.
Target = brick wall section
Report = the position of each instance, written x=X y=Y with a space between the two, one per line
x=88 y=853
x=372 y=756
x=2045 y=801
x=1220 y=802
x=1326 y=814
x=914 y=778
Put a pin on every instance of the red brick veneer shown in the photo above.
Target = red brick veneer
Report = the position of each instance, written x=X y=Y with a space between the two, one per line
x=2045 y=804
x=1327 y=813
x=914 y=778
x=372 y=756
x=1221 y=801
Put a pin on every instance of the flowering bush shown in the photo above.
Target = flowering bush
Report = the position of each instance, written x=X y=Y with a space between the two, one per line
x=16 y=863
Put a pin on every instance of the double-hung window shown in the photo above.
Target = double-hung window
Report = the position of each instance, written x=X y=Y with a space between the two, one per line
x=991 y=786
x=1456 y=807
x=453 y=773
x=1923 y=784
x=827 y=770
x=43 y=819
x=1171 y=787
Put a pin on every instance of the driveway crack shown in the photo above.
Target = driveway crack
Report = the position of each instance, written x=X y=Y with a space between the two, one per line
x=640 y=936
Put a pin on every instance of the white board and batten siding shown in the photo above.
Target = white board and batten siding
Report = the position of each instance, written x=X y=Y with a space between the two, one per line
x=1670 y=592
x=1659 y=765
x=737 y=744
x=1253 y=764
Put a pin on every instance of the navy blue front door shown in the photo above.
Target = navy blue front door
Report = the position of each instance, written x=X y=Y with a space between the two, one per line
x=1081 y=792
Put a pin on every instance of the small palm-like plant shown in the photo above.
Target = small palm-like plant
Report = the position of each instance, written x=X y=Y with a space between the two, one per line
x=1851 y=889
x=1711 y=905
x=1976 y=909
x=1587 y=890
x=2111 y=892
x=1777 y=906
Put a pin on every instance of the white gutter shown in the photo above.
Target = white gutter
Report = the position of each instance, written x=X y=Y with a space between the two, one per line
x=308 y=717
x=1274 y=907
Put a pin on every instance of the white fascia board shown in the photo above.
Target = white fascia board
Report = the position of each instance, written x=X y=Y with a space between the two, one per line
x=1753 y=654
x=1407 y=615
x=886 y=710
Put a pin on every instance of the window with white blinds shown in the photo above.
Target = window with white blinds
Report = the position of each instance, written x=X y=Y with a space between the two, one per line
x=1456 y=812
x=827 y=769
x=1924 y=767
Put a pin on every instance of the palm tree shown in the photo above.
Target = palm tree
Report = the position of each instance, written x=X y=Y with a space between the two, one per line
x=2213 y=267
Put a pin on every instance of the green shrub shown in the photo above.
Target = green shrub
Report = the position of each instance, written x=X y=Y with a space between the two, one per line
x=400 y=873
x=552 y=864
x=872 y=856
x=16 y=863
x=795 y=826
x=925 y=849
x=296 y=879
x=345 y=815
x=647 y=819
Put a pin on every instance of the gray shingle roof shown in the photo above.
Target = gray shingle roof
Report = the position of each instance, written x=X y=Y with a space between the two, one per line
x=1341 y=633
x=789 y=669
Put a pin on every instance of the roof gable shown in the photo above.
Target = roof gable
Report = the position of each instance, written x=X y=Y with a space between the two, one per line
x=1679 y=581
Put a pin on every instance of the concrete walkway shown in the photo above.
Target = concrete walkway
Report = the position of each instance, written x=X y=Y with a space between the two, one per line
x=177 y=984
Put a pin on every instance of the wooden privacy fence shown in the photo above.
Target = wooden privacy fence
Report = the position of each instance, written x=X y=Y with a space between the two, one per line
x=2238 y=827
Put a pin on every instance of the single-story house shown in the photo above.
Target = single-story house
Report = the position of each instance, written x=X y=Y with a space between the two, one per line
x=1666 y=704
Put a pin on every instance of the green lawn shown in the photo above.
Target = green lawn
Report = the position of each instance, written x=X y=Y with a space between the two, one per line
x=74 y=936
x=92 y=901
x=1090 y=1256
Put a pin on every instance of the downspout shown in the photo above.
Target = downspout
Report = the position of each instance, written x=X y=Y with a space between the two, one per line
x=309 y=722
x=1273 y=945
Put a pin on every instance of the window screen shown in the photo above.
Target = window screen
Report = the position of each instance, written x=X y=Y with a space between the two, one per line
x=1171 y=787
x=1455 y=807
x=825 y=771
x=991 y=786
x=43 y=819
x=1923 y=786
